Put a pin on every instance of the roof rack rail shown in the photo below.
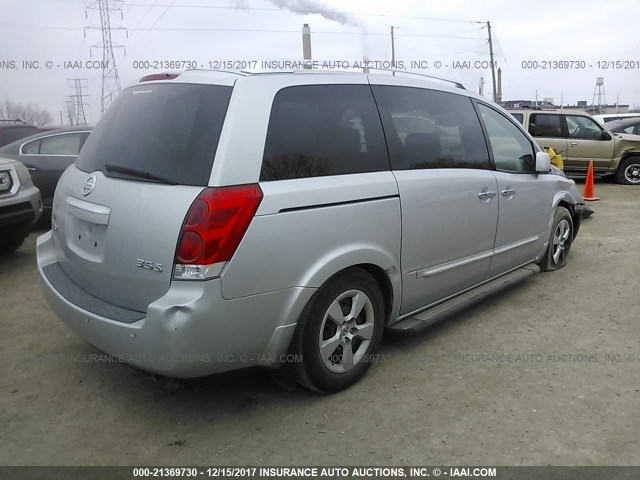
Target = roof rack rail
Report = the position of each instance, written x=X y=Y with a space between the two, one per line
x=13 y=120
x=434 y=77
x=320 y=70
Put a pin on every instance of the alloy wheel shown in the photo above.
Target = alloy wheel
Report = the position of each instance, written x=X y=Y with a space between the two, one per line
x=346 y=331
x=561 y=242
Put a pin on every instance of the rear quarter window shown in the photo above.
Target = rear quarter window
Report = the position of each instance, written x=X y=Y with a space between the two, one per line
x=545 y=125
x=168 y=130
x=320 y=130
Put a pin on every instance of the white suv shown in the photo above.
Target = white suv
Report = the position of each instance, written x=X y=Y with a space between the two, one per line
x=20 y=204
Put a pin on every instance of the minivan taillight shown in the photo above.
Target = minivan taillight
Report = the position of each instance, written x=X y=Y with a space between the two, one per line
x=212 y=230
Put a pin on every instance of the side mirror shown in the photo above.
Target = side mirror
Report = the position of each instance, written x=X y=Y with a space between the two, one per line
x=543 y=162
x=604 y=135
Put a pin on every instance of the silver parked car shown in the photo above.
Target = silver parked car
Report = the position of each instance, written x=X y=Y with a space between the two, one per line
x=219 y=220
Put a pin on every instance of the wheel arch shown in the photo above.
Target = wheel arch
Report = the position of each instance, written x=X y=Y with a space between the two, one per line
x=380 y=264
x=629 y=154
x=566 y=200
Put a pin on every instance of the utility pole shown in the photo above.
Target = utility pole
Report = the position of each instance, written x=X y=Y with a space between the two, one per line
x=393 y=53
x=77 y=84
x=110 y=79
x=493 y=68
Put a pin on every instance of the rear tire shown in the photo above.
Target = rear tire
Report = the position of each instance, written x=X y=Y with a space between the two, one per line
x=11 y=243
x=560 y=241
x=338 y=331
x=628 y=172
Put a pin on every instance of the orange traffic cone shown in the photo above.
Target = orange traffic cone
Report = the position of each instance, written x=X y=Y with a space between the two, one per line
x=589 y=191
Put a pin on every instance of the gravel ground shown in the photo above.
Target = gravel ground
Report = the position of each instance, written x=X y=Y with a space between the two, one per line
x=546 y=373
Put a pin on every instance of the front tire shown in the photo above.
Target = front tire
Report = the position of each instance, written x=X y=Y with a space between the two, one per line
x=338 y=331
x=11 y=243
x=560 y=241
x=628 y=172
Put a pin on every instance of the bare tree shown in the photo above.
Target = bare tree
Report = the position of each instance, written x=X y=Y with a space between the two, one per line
x=30 y=113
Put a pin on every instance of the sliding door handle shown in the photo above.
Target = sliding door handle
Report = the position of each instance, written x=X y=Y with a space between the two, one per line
x=484 y=195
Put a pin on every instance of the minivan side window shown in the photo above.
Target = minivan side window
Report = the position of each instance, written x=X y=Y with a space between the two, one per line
x=512 y=150
x=320 y=130
x=545 y=125
x=430 y=129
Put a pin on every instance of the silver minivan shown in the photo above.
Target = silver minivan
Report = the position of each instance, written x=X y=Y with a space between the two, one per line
x=221 y=220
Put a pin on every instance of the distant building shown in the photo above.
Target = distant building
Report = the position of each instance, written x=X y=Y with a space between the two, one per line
x=525 y=104
x=548 y=102
x=593 y=109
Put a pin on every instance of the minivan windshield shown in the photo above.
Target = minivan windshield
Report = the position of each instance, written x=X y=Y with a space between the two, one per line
x=159 y=131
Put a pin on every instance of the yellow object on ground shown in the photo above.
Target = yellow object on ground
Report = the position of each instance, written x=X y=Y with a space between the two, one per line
x=555 y=158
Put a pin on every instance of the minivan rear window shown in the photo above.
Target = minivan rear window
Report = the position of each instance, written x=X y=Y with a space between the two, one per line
x=164 y=132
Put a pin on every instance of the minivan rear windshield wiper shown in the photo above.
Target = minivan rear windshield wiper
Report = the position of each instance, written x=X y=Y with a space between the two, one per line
x=135 y=172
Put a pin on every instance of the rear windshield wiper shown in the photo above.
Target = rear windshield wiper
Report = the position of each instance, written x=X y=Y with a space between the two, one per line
x=135 y=172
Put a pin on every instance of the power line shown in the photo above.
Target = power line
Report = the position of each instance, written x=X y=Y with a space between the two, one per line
x=145 y=14
x=154 y=24
x=449 y=52
x=291 y=10
x=249 y=30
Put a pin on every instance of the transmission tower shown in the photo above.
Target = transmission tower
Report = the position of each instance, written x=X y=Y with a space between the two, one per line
x=110 y=79
x=599 y=92
x=69 y=109
x=78 y=84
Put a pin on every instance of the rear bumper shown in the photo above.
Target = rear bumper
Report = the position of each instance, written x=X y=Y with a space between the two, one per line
x=192 y=330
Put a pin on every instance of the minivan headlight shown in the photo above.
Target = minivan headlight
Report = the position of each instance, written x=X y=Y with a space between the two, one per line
x=23 y=173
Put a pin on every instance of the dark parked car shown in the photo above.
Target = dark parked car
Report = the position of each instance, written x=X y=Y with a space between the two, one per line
x=630 y=125
x=12 y=130
x=47 y=155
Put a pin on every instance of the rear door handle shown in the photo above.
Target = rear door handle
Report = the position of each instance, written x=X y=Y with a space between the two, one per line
x=508 y=193
x=32 y=169
x=574 y=144
x=484 y=195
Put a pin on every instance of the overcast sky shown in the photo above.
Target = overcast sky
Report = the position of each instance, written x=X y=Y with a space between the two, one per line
x=445 y=31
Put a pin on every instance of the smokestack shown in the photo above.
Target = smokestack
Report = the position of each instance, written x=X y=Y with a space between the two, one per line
x=499 y=93
x=306 y=43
